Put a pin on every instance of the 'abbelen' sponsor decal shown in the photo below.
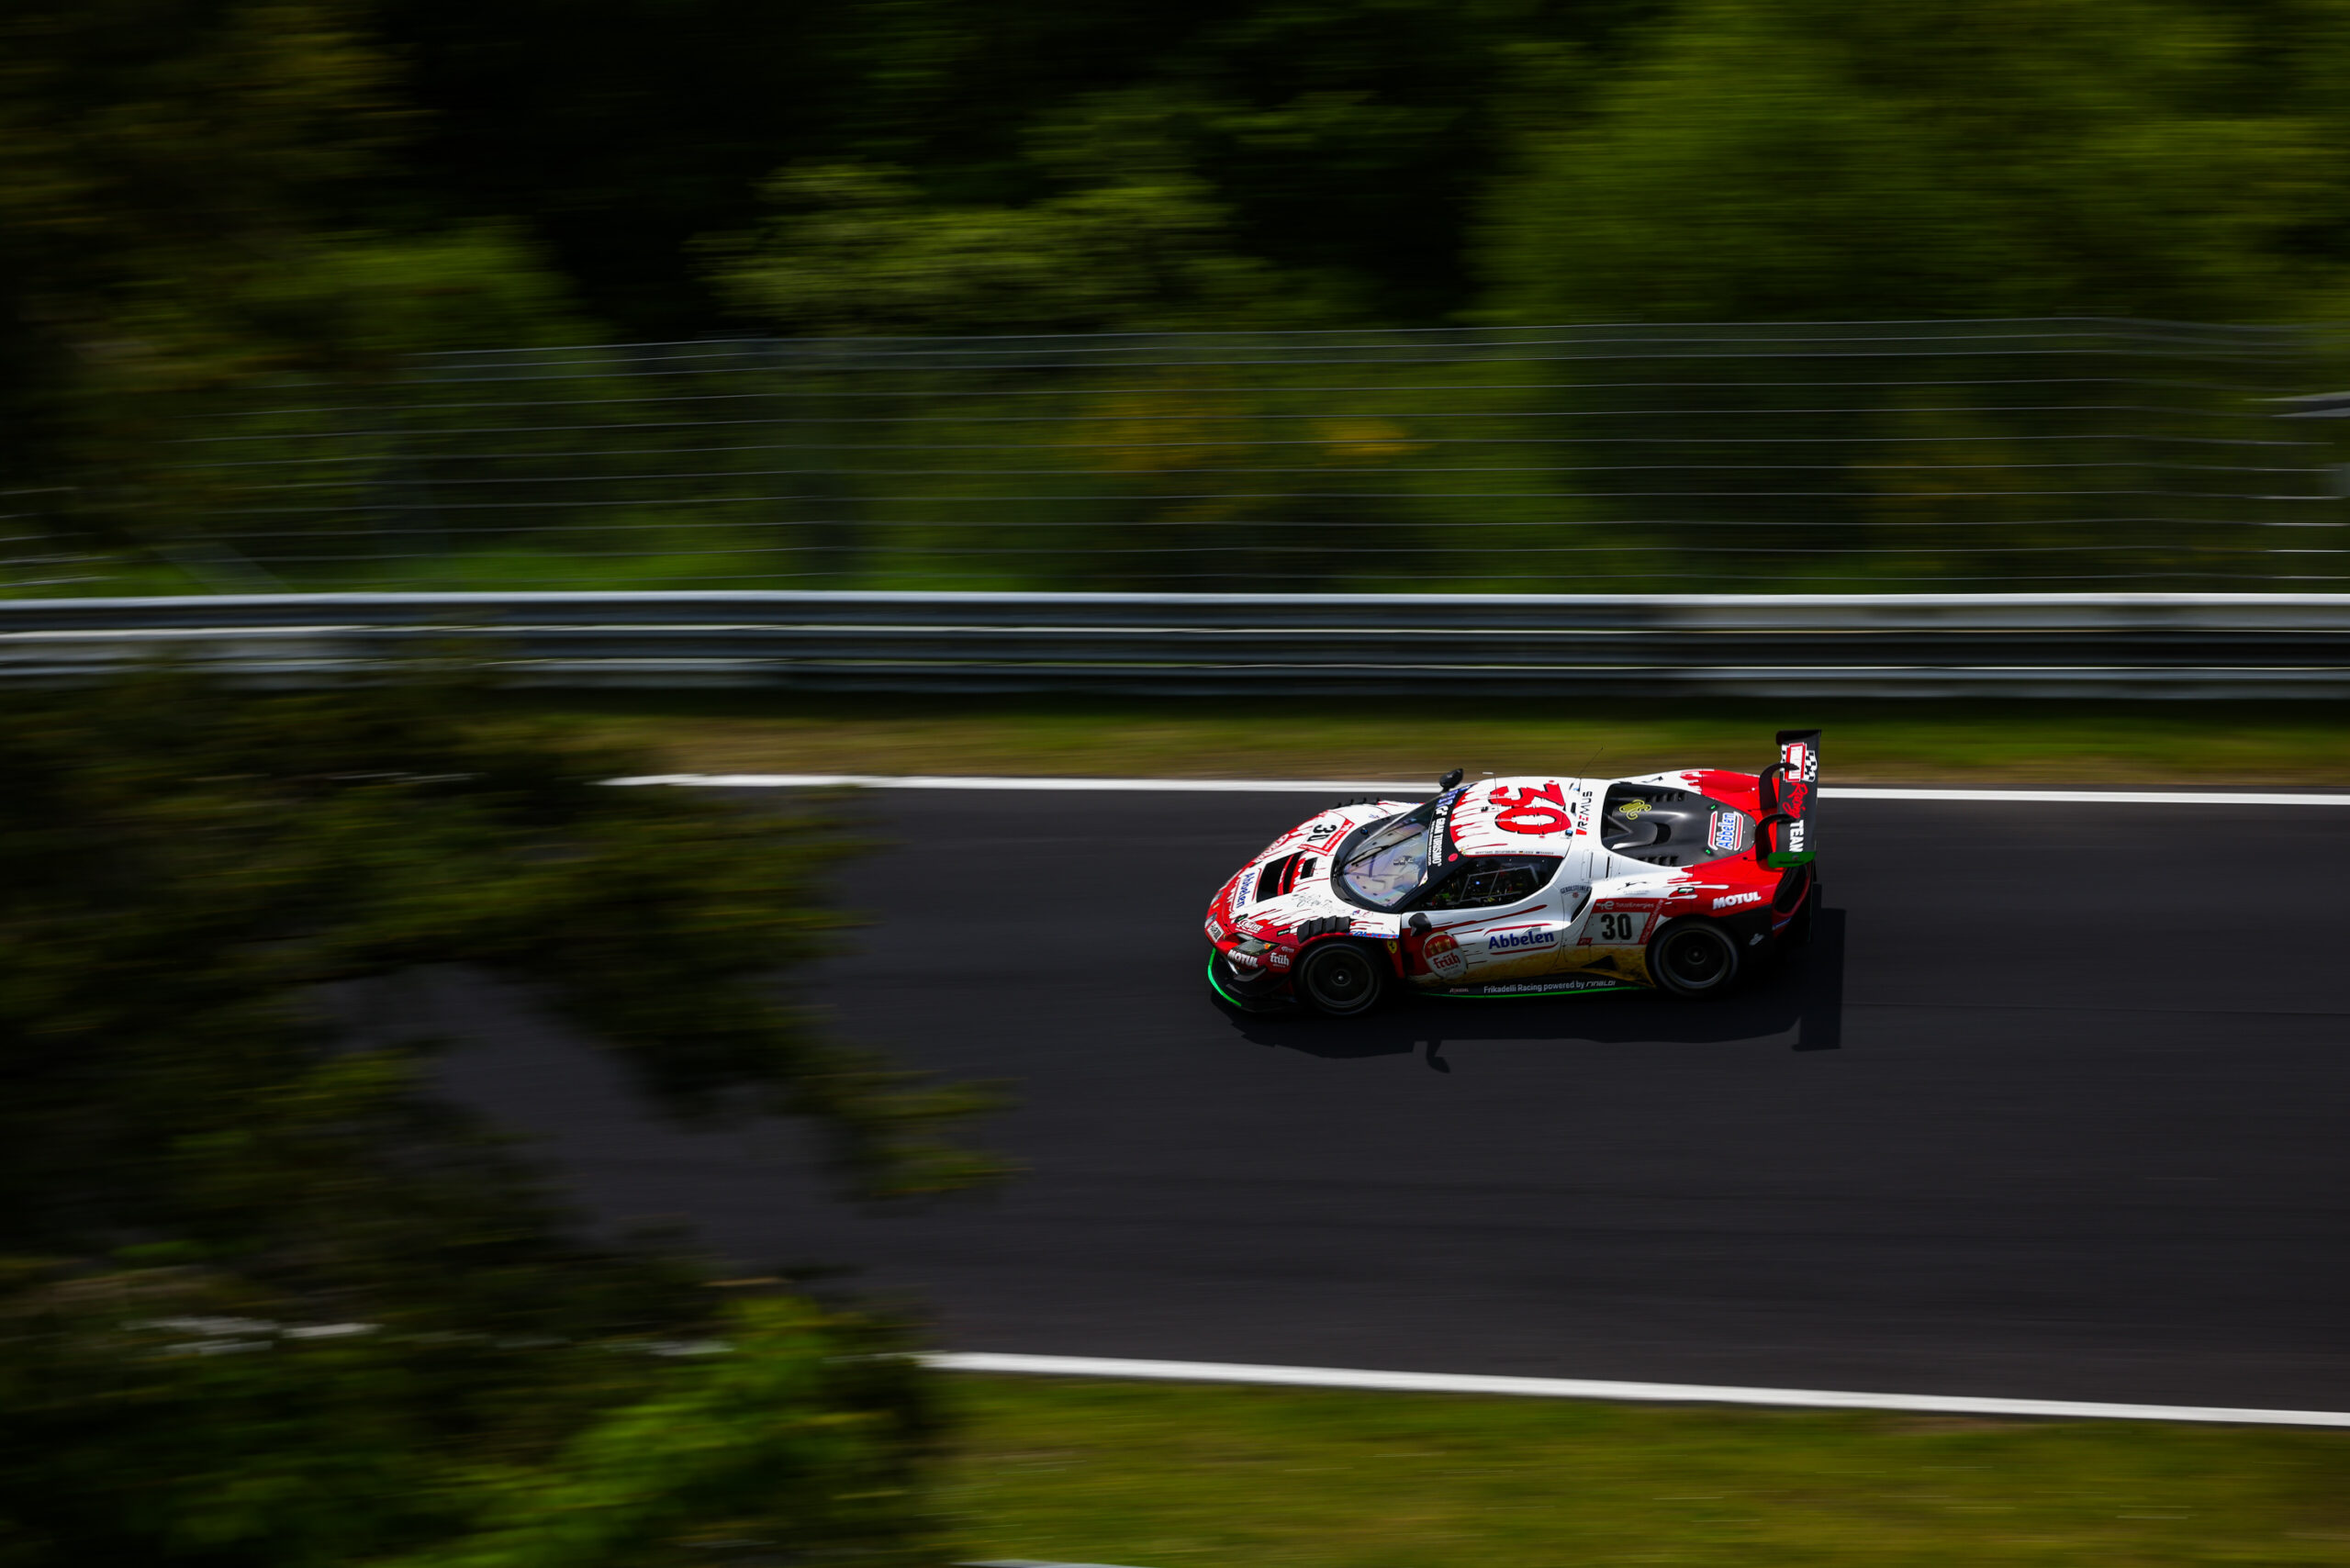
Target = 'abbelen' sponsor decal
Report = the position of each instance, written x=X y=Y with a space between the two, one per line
x=1515 y=941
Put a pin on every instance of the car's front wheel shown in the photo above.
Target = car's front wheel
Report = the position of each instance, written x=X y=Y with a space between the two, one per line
x=1694 y=959
x=1341 y=978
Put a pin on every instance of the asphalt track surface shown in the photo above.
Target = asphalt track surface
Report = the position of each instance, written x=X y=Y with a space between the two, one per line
x=2055 y=1108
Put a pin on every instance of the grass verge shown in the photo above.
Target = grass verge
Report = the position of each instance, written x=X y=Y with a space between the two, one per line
x=1376 y=738
x=1159 y=1475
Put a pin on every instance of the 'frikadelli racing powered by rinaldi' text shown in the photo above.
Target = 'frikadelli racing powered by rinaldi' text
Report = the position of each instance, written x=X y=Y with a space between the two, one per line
x=1528 y=886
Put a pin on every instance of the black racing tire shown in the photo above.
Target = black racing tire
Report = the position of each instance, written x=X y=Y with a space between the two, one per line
x=1340 y=979
x=1694 y=959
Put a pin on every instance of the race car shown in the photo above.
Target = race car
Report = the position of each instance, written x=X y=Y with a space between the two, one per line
x=1527 y=886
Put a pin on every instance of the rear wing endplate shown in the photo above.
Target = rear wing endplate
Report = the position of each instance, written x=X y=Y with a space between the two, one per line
x=1790 y=786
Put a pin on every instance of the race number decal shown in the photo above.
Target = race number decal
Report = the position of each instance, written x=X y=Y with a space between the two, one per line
x=1535 y=812
x=1619 y=923
x=1620 y=926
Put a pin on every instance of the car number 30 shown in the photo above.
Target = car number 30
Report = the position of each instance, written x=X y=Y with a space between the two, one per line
x=1619 y=927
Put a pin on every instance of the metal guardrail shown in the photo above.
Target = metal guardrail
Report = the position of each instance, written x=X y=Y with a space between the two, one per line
x=1376 y=645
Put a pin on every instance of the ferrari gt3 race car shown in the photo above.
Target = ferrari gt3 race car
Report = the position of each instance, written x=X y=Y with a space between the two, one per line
x=1528 y=886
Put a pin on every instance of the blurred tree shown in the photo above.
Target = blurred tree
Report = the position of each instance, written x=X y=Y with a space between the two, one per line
x=619 y=129
x=1352 y=139
x=1129 y=235
x=1824 y=158
x=144 y=1425
x=263 y=1298
x=1288 y=163
x=194 y=191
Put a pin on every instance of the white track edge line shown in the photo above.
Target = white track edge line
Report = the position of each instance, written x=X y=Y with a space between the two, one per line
x=1589 y=1388
x=2088 y=797
x=1391 y=789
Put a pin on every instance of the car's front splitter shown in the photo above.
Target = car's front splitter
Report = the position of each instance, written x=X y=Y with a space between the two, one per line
x=1220 y=978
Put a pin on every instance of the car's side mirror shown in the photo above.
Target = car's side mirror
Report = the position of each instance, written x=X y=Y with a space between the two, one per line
x=1418 y=922
x=1450 y=780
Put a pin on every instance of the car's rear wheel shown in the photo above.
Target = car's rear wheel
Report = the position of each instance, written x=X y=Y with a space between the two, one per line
x=1341 y=978
x=1694 y=959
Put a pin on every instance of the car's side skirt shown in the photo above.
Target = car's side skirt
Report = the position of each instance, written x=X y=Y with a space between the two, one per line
x=1489 y=990
x=1555 y=985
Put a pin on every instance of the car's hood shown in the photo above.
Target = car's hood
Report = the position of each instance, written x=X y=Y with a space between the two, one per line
x=1288 y=882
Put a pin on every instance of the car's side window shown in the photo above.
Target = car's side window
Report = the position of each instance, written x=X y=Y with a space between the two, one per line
x=1491 y=881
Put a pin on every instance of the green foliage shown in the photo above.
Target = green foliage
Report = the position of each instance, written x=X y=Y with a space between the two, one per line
x=179 y=864
x=194 y=193
x=854 y=250
x=797 y=1436
x=1303 y=162
x=617 y=130
x=193 y=190
x=1826 y=158
x=266 y=1299
x=257 y=211
x=142 y=1429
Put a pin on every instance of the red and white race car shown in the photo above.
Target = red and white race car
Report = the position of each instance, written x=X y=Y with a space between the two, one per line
x=1527 y=886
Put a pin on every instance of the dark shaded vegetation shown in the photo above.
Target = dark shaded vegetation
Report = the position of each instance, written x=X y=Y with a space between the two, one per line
x=193 y=190
x=265 y=1298
x=245 y=207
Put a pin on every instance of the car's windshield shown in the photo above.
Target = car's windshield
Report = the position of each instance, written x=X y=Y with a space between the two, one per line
x=1388 y=867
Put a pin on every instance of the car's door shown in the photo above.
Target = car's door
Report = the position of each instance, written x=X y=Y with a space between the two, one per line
x=1499 y=917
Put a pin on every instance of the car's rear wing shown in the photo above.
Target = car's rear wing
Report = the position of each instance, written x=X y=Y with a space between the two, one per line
x=1784 y=836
